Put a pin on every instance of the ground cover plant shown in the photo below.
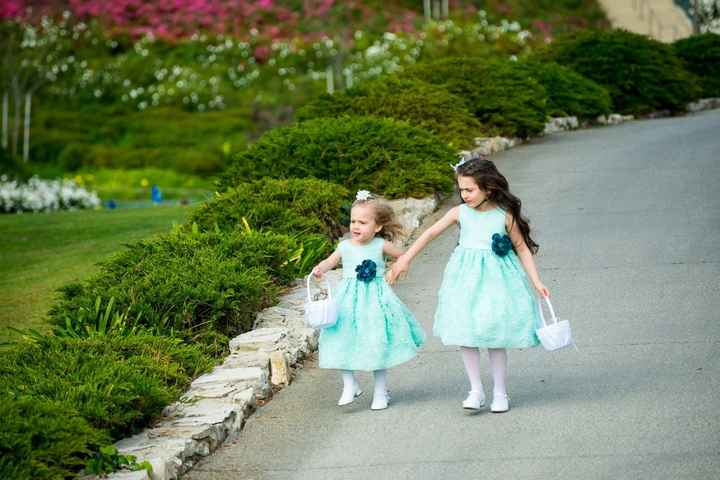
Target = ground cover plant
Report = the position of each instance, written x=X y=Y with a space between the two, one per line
x=641 y=74
x=701 y=56
x=569 y=93
x=422 y=104
x=499 y=92
x=381 y=155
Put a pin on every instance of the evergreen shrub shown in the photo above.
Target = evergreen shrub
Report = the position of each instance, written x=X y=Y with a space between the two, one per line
x=501 y=93
x=701 y=56
x=642 y=75
x=63 y=398
x=385 y=156
x=294 y=206
x=202 y=286
x=569 y=93
x=421 y=104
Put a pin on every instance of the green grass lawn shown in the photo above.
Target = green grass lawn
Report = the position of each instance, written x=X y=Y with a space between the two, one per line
x=41 y=252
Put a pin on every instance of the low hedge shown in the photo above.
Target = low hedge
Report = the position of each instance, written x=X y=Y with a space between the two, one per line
x=294 y=206
x=385 y=156
x=642 y=75
x=421 y=104
x=63 y=398
x=203 y=286
x=570 y=93
x=701 y=56
x=501 y=93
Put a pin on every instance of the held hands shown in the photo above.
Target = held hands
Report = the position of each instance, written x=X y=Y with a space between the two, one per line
x=399 y=268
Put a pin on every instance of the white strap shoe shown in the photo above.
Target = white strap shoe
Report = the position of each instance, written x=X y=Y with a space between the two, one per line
x=349 y=395
x=380 y=401
x=500 y=404
x=474 y=401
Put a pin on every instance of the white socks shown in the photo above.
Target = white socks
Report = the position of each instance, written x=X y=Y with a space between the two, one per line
x=380 y=395
x=498 y=367
x=471 y=359
x=351 y=389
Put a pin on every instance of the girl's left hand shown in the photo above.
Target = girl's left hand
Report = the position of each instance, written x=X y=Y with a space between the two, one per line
x=541 y=289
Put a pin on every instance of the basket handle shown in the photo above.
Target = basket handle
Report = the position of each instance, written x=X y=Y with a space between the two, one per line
x=550 y=308
x=307 y=284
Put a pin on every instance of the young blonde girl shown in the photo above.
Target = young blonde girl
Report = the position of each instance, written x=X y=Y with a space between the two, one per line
x=486 y=299
x=374 y=329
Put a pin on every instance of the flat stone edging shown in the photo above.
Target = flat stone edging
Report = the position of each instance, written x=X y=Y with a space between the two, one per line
x=261 y=361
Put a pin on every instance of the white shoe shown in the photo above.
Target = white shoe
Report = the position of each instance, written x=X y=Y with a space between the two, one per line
x=474 y=401
x=500 y=404
x=380 y=401
x=349 y=395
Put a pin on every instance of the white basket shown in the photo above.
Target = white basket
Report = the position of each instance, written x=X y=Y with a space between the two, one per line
x=320 y=313
x=555 y=335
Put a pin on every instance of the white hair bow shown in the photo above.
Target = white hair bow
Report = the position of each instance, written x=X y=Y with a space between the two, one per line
x=363 y=195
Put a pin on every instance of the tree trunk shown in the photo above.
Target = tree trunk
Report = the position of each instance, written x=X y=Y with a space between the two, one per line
x=329 y=79
x=445 y=9
x=17 y=99
x=436 y=9
x=427 y=10
x=26 y=137
x=5 y=106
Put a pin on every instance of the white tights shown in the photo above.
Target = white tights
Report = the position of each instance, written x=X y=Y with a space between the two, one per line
x=380 y=381
x=498 y=367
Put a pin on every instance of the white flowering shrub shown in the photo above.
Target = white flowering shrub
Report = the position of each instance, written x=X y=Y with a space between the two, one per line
x=43 y=195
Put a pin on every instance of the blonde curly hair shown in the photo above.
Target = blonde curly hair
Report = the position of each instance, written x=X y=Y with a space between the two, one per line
x=392 y=229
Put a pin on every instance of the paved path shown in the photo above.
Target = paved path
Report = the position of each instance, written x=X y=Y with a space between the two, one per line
x=628 y=219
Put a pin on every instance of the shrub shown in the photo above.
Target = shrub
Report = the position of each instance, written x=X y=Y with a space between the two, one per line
x=641 y=74
x=70 y=396
x=292 y=206
x=569 y=93
x=421 y=104
x=385 y=156
x=500 y=93
x=701 y=56
x=196 y=284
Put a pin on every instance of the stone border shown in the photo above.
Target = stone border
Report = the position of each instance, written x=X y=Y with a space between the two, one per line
x=261 y=361
x=264 y=359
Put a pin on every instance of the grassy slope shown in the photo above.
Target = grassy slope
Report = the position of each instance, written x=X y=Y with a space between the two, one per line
x=42 y=252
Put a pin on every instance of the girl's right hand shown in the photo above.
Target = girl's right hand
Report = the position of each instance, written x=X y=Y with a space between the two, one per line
x=317 y=273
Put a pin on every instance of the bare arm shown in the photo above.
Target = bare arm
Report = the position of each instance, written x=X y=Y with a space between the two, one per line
x=328 y=264
x=525 y=256
x=403 y=262
x=392 y=250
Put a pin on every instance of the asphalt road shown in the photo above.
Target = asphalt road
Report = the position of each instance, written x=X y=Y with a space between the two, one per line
x=628 y=221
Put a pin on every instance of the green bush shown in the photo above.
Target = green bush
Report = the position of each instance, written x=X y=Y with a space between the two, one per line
x=63 y=398
x=701 y=56
x=421 y=104
x=641 y=74
x=501 y=93
x=385 y=156
x=569 y=93
x=43 y=439
x=292 y=206
x=196 y=284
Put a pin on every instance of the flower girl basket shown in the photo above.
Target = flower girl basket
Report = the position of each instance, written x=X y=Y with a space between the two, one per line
x=555 y=335
x=320 y=313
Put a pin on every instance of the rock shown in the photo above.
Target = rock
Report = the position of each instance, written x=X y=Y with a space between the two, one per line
x=411 y=211
x=703 y=104
x=279 y=371
x=139 y=475
x=561 y=124
x=265 y=339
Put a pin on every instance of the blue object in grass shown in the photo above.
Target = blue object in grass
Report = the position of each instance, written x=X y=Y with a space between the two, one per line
x=156 y=194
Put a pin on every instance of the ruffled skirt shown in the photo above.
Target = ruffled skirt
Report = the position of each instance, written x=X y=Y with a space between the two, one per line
x=374 y=329
x=486 y=301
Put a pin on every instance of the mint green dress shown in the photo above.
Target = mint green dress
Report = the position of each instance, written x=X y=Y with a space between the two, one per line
x=374 y=329
x=485 y=299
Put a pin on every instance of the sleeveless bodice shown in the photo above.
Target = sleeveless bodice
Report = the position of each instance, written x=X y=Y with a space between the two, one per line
x=477 y=228
x=354 y=255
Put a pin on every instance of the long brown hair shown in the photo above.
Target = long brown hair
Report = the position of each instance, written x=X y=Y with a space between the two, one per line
x=488 y=178
x=384 y=216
